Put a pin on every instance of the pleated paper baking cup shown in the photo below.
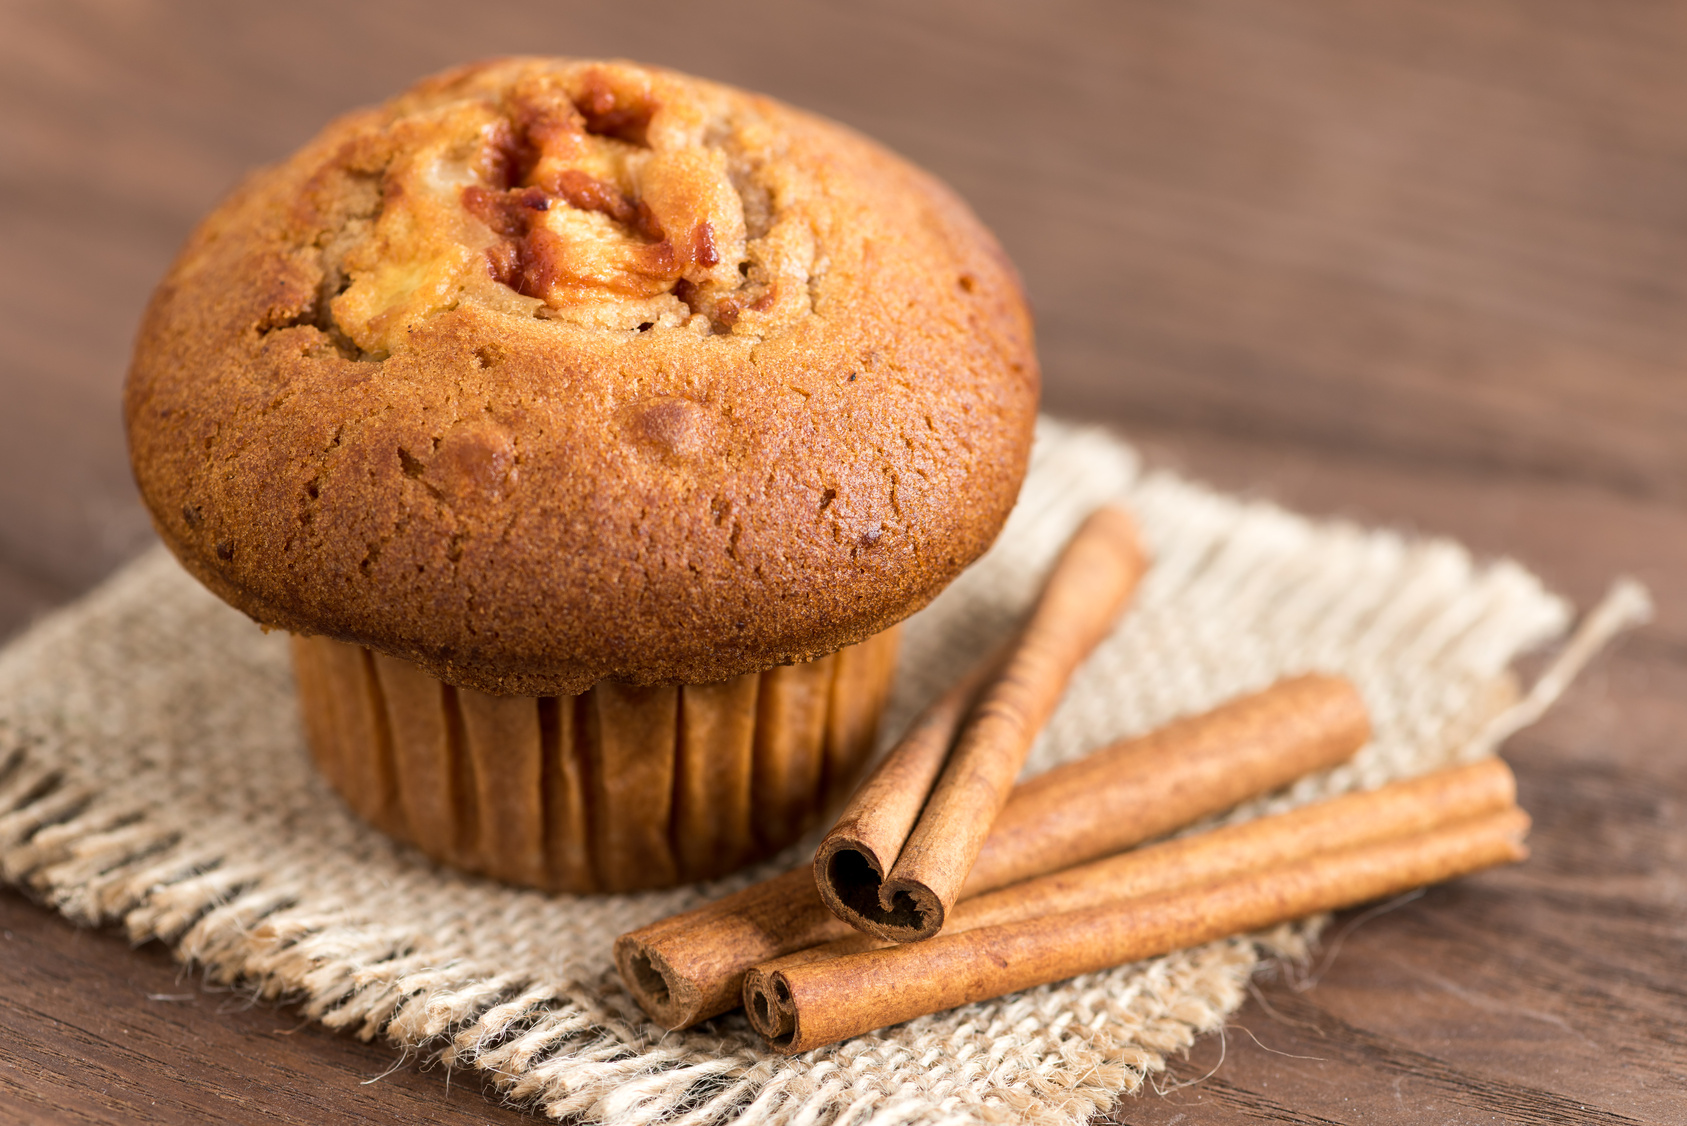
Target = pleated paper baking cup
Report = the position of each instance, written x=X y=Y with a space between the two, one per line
x=616 y=789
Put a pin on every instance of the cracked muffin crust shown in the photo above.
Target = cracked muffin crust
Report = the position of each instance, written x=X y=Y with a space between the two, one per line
x=549 y=372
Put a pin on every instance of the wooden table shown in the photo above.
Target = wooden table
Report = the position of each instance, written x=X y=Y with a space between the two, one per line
x=1417 y=264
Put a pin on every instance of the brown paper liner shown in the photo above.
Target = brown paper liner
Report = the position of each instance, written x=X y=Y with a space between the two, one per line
x=617 y=789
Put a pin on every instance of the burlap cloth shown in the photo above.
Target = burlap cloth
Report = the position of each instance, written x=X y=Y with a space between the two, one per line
x=152 y=774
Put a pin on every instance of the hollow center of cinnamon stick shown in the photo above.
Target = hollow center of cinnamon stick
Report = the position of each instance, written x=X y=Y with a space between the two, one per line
x=785 y=1028
x=648 y=979
x=858 y=885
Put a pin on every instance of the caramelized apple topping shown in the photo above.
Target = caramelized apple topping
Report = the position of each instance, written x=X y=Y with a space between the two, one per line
x=602 y=195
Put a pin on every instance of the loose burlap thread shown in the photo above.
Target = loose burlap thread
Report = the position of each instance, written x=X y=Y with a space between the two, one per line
x=153 y=774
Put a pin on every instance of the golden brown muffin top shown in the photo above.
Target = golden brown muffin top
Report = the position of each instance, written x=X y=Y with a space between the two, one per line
x=550 y=371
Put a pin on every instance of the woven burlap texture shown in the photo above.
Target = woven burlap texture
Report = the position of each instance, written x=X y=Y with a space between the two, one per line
x=153 y=774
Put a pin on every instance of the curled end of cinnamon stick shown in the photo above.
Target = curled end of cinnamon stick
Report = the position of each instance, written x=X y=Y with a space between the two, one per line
x=852 y=884
x=667 y=996
x=767 y=1002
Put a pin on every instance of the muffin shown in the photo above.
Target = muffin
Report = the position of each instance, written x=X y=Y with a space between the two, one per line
x=591 y=427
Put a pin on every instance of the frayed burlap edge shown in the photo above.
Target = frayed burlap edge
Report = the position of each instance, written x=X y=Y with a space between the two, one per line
x=152 y=775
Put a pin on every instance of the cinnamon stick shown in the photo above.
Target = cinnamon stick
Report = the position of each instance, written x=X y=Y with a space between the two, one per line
x=908 y=900
x=691 y=967
x=821 y=1002
x=1397 y=810
x=1250 y=745
x=884 y=809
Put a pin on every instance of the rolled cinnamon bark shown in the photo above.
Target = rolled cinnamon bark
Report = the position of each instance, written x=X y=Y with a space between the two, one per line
x=691 y=967
x=883 y=811
x=1247 y=746
x=822 y=1002
x=1397 y=810
x=1080 y=602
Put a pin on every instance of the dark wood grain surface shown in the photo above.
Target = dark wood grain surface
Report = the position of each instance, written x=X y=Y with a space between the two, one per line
x=1412 y=263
